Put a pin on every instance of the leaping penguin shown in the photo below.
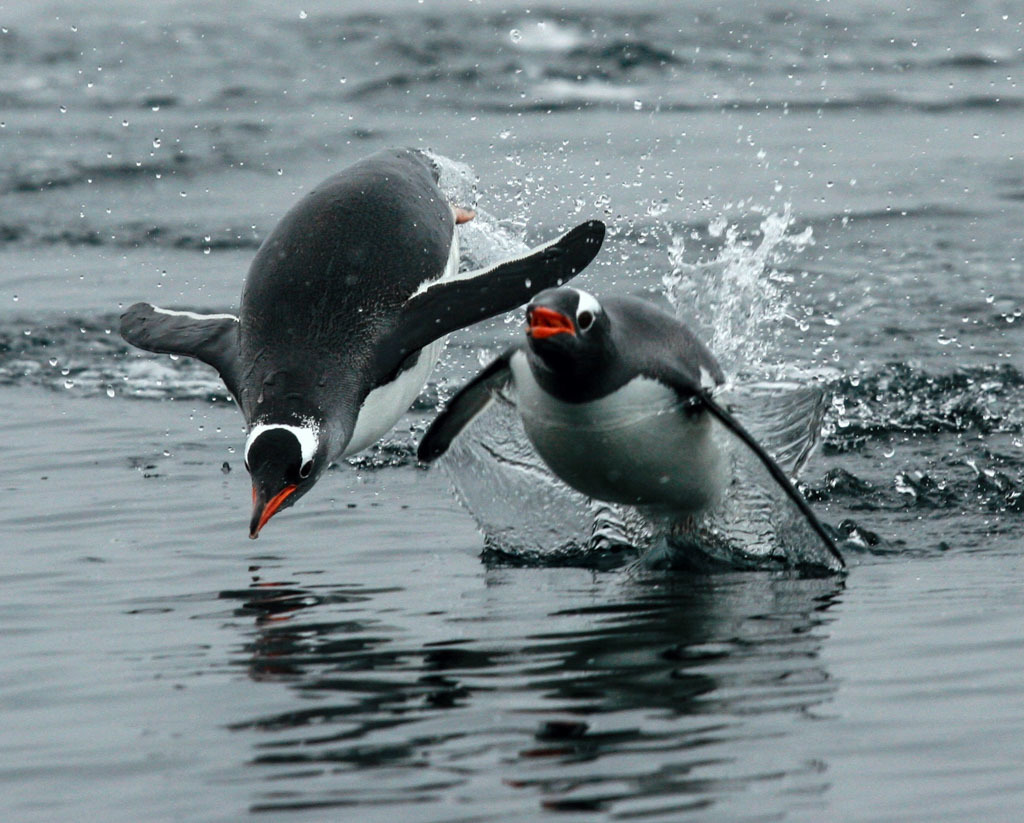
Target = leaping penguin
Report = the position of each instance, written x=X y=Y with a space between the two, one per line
x=343 y=314
x=616 y=397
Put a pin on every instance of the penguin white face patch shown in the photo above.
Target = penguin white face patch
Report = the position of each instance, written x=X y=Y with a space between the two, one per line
x=307 y=435
x=587 y=305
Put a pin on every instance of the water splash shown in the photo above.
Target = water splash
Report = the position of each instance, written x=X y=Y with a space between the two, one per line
x=485 y=239
x=738 y=302
x=498 y=476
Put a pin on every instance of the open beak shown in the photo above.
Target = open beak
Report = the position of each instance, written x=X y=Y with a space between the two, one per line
x=542 y=322
x=263 y=511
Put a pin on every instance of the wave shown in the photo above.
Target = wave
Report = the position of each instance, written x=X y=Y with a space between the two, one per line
x=477 y=58
x=128 y=236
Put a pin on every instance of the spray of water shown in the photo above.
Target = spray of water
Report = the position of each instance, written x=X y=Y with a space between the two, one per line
x=738 y=302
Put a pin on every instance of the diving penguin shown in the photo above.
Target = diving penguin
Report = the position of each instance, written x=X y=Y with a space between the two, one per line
x=343 y=314
x=616 y=397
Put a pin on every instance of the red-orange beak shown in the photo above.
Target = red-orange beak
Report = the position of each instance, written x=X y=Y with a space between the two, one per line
x=542 y=322
x=262 y=512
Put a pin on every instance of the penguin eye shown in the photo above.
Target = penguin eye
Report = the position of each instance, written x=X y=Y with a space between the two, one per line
x=305 y=469
x=585 y=320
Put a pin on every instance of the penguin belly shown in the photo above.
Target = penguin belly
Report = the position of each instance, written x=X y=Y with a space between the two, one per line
x=383 y=406
x=637 y=445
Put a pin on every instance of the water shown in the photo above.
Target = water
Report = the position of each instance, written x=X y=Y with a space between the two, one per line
x=363 y=661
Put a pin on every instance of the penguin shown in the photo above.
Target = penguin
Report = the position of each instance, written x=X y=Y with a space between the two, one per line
x=343 y=313
x=616 y=397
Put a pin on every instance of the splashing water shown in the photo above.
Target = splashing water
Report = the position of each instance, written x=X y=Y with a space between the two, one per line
x=529 y=515
x=737 y=302
x=485 y=239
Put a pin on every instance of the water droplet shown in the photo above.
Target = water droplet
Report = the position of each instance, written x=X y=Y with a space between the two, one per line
x=183 y=194
x=53 y=361
x=15 y=298
x=280 y=172
x=637 y=105
x=63 y=109
x=69 y=384
x=110 y=391
x=156 y=142
x=302 y=15
x=125 y=123
x=515 y=35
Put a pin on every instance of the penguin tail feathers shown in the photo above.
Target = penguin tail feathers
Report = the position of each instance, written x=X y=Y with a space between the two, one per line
x=211 y=338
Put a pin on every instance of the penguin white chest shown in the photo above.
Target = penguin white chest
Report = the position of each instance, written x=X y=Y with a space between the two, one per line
x=637 y=445
x=387 y=403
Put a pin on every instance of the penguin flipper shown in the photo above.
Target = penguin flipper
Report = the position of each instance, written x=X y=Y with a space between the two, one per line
x=690 y=392
x=468 y=402
x=443 y=306
x=211 y=338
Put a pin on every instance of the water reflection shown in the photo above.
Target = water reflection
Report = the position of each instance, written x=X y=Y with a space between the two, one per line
x=640 y=694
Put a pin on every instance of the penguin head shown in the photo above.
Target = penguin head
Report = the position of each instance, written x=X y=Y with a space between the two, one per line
x=567 y=329
x=284 y=462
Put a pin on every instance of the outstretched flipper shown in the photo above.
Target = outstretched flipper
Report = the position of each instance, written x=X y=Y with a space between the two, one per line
x=773 y=468
x=212 y=338
x=441 y=307
x=466 y=404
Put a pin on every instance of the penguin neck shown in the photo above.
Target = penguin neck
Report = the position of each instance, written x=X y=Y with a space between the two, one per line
x=578 y=378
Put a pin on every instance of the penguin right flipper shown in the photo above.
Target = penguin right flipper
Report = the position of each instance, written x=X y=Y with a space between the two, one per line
x=443 y=306
x=772 y=467
x=467 y=403
x=212 y=338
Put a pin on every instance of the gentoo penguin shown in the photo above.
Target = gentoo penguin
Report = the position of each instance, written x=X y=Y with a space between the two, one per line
x=343 y=314
x=616 y=397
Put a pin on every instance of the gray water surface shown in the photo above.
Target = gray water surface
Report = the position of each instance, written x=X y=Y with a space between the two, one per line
x=366 y=660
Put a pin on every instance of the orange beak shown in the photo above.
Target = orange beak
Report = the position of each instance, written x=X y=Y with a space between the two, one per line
x=261 y=513
x=542 y=322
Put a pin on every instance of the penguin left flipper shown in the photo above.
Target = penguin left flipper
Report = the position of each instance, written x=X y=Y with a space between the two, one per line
x=211 y=338
x=689 y=393
x=467 y=403
x=441 y=307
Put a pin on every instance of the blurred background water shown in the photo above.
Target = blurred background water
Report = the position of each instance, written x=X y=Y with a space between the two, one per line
x=850 y=171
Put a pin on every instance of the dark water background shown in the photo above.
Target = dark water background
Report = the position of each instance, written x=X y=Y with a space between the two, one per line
x=361 y=661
